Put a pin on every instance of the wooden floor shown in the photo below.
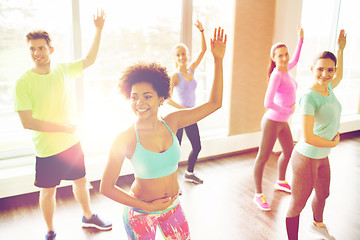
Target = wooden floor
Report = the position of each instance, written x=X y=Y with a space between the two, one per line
x=220 y=209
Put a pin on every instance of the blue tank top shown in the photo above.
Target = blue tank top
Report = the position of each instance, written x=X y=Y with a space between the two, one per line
x=184 y=92
x=150 y=165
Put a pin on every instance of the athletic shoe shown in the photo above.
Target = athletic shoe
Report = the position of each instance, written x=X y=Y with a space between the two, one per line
x=51 y=235
x=261 y=203
x=96 y=222
x=285 y=187
x=322 y=232
x=191 y=177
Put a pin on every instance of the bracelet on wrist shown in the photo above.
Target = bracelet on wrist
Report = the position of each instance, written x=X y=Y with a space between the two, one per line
x=202 y=30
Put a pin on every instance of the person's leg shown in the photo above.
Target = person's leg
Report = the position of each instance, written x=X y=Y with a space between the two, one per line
x=73 y=160
x=89 y=220
x=193 y=134
x=81 y=193
x=74 y=165
x=268 y=138
x=174 y=225
x=292 y=227
x=302 y=186
x=179 y=134
x=322 y=189
x=47 y=203
x=322 y=186
x=139 y=225
x=287 y=145
x=302 y=183
x=47 y=177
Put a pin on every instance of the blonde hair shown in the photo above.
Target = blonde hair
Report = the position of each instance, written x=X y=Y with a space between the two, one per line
x=179 y=45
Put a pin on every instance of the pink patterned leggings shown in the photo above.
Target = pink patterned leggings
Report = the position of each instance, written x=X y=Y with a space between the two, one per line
x=141 y=225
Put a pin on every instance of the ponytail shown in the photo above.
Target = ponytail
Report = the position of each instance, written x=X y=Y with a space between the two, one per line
x=271 y=67
x=272 y=64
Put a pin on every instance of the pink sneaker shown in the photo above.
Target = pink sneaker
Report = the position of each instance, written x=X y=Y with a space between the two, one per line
x=283 y=187
x=261 y=203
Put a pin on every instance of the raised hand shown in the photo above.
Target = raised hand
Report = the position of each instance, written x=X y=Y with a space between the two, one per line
x=218 y=43
x=342 y=39
x=340 y=58
x=300 y=32
x=99 y=19
x=199 y=25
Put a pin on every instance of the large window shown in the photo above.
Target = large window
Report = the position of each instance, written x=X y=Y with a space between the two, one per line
x=135 y=34
x=131 y=34
x=212 y=14
x=134 y=31
x=17 y=18
x=321 y=29
x=349 y=19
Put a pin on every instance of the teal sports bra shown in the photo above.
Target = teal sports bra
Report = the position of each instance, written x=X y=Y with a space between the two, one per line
x=150 y=165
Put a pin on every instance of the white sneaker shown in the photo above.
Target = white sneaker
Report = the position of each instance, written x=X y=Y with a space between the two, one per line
x=191 y=177
x=322 y=232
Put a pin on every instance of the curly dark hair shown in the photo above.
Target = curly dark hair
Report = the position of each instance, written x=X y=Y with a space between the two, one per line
x=151 y=73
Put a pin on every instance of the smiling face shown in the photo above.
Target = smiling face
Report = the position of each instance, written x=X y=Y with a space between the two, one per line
x=40 y=52
x=281 y=57
x=145 y=101
x=323 y=71
x=181 y=56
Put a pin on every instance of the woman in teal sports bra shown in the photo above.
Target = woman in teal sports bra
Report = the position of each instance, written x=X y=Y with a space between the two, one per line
x=153 y=149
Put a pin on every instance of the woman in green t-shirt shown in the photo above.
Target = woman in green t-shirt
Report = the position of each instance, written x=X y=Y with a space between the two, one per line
x=320 y=112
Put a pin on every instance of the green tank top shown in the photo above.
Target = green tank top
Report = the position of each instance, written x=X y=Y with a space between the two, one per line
x=150 y=165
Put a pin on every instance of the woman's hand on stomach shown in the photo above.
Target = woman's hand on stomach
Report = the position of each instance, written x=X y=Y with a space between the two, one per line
x=153 y=189
x=159 y=204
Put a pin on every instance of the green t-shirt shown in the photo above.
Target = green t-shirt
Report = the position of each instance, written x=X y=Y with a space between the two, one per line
x=326 y=111
x=51 y=98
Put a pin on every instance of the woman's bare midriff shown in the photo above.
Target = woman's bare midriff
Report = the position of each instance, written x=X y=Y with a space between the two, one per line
x=153 y=189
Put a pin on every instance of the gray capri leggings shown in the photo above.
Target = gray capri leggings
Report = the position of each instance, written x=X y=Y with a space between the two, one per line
x=272 y=130
x=309 y=174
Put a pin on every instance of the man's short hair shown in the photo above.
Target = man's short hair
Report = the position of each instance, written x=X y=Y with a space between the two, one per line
x=39 y=34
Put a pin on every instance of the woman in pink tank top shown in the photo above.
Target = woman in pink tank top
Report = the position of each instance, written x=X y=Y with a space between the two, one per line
x=280 y=100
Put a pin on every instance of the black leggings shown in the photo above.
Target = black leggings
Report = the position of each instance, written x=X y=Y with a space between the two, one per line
x=192 y=133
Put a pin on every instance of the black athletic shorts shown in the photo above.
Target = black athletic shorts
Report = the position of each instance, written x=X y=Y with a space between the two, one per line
x=67 y=165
